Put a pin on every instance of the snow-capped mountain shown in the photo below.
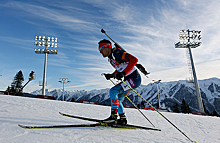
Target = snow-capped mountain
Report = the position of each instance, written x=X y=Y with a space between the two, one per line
x=170 y=93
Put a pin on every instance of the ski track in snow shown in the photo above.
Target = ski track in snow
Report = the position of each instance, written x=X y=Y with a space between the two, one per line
x=30 y=111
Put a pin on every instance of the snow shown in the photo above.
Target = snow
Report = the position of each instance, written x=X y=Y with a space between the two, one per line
x=31 y=111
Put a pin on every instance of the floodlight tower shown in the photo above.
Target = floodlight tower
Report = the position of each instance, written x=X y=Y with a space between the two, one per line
x=158 y=82
x=45 y=51
x=191 y=39
x=64 y=80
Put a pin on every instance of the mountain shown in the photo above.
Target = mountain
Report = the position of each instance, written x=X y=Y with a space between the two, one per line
x=170 y=93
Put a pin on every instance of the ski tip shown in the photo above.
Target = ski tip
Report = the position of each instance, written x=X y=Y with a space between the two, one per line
x=158 y=129
x=27 y=127
x=61 y=113
x=21 y=126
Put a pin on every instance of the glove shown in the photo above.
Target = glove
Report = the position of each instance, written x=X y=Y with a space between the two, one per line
x=108 y=76
x=120 y=75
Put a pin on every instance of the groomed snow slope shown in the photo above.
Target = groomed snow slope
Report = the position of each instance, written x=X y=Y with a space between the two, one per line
x=31 y=111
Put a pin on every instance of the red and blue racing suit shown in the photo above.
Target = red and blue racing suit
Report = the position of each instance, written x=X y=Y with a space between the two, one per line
x=123 y=61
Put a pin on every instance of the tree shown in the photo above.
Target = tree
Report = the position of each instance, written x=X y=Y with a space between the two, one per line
x=11 y=90
x=214 y=113
x=72 y=100
x=142 y=105
x=16 y=85
x=185 y=107
x=176 y=108
x=157 y=105
x=139 y=106
x=8 y=89
x=206 y=111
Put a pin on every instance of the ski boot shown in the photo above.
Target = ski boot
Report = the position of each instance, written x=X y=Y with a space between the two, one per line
x=122 y=121
x=113 y=117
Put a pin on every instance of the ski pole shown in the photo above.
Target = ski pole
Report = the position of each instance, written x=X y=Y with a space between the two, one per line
x=134 y=104
x=158 y=111
x=136 y=107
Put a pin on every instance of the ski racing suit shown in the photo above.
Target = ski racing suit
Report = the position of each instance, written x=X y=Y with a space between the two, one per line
x=123 y=61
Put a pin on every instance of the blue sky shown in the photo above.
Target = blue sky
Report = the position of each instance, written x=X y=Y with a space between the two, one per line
x=147 y=29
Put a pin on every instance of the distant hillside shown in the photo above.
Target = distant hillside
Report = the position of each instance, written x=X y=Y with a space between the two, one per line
x=170 y=93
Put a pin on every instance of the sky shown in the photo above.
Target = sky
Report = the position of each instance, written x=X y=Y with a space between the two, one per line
x=148 y=29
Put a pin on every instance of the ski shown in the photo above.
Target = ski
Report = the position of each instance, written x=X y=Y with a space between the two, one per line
x=80 y=117
x=59 y=126
x=86 y=126
x=100 y=124
x=129 y=126
x=113 y=125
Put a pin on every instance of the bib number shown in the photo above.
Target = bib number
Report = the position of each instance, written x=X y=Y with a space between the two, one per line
x=129 y=82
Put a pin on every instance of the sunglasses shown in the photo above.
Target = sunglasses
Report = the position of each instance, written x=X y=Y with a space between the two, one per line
x=104 y=46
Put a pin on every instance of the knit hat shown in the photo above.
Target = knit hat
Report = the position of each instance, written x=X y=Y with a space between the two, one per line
x=104 y=44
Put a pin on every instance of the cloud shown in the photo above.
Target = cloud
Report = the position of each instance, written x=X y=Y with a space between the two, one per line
x=56 y=16
x=146 y=29
x=151 y=34
x=19 y=42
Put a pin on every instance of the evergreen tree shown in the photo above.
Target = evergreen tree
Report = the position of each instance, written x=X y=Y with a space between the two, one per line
x=206 y=111
x=8 y=89
x=72 y=100
x=16 y=85
x=185 y=107
x=188 y=110
x=214 y=113
x=157 y=105
x=176 y=108
x=11 y=90
x=142 y=105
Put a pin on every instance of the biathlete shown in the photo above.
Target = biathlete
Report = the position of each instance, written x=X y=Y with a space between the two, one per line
x=124 y=63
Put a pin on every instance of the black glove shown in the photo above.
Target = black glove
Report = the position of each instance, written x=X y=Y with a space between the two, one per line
x=108 y=76
x=120 y=75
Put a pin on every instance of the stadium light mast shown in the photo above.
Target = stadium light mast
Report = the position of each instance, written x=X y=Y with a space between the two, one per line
x=158 y=82
x=191 y=39
x=39 y=41
x=64 y=80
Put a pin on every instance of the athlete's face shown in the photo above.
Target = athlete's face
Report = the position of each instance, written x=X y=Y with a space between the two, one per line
x=105 y=52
